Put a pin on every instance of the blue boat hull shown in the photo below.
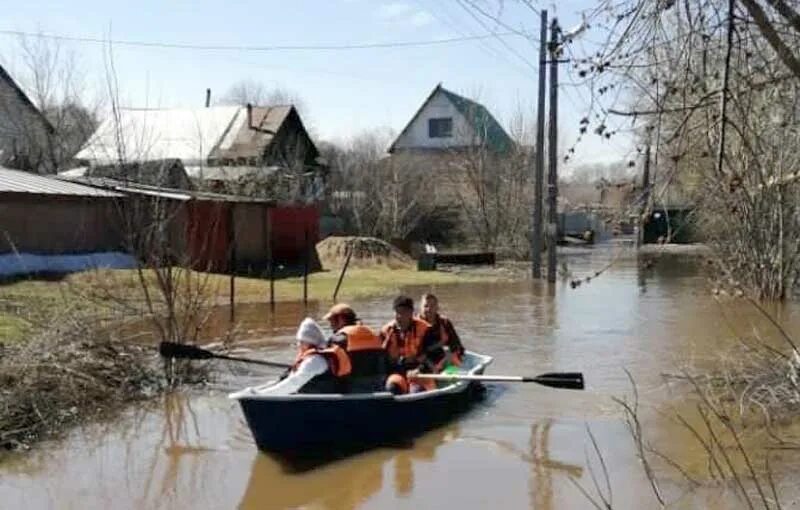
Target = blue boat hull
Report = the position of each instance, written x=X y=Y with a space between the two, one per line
x=302 y=425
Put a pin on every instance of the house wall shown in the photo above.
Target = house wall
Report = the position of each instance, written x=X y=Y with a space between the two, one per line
x=22 y=131
x=53 y=224
x=416 y=136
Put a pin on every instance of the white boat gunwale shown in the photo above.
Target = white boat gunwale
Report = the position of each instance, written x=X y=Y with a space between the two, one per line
x=252 y=393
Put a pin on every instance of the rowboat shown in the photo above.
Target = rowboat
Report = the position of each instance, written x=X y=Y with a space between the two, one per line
x=304 y=424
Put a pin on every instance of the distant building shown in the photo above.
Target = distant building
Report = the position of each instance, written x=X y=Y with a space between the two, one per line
x=24 y=130
x=447 y=121
x=223 y=148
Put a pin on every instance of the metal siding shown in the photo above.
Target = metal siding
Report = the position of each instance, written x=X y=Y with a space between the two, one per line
x=288 y=226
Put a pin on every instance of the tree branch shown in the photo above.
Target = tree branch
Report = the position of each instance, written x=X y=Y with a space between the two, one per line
x=787 y=12
x=723 y=113
x=772 y=37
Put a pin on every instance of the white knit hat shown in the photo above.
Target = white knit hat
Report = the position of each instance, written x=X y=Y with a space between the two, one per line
x=310 y=333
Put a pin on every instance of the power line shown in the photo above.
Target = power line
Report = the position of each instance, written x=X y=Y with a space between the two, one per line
x=531 y=7
x=484 y=45
x=219 y=47
x=500 y=22
x=464 y=5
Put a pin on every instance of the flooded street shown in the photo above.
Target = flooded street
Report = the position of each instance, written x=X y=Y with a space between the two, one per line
x=516 y=449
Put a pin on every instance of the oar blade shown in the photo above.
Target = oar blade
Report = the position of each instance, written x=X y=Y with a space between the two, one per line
x=175 y=350
x=563 y=380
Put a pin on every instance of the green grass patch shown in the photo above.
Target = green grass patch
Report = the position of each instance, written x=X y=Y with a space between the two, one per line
x=27 y=302
x=12 y=328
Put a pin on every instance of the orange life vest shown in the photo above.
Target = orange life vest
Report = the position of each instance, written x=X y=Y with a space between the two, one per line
x=360 y=338
x=336 y=357
x=404 y=343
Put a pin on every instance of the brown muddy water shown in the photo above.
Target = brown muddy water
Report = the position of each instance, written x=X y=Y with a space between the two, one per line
x=516 y=449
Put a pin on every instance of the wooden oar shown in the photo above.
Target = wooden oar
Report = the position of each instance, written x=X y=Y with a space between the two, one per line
x=183 y=351
x=565 y=380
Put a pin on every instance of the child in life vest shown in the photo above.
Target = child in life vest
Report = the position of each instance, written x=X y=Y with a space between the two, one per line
x=313 y=360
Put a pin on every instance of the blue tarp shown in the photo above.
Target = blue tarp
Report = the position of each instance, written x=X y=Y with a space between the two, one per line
x=13 y=264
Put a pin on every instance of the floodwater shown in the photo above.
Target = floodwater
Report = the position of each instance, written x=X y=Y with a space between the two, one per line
x=524 y=446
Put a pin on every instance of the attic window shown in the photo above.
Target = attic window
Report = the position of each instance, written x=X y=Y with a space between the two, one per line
x=440 y=128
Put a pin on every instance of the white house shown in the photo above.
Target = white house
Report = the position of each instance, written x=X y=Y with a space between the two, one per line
x=448 y=121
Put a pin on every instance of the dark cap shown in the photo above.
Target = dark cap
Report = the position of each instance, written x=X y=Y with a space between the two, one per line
x=403 y=302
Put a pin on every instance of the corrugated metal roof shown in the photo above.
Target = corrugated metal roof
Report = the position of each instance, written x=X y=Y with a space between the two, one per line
x=16 y=181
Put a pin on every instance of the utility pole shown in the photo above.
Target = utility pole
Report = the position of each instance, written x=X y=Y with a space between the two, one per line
x=552 y=176
x=538 y=178
x=645 y=194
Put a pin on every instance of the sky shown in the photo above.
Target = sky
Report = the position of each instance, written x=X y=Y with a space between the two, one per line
x=345 y=92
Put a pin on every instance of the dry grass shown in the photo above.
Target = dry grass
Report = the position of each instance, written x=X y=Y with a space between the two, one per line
x=367 y=252
x=69 y=372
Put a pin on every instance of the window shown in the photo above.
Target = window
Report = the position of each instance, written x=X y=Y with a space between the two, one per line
x=440 y=128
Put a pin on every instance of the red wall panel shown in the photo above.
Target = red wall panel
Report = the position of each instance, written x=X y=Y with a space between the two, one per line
x=207 y=235
x=288 y=226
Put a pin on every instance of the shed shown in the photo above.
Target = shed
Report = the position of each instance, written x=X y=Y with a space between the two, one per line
x=219 y=232
x=47 y=216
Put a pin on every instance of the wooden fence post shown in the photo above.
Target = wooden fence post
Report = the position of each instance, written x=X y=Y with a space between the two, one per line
x=306 y=258
x=232 y=260
x=270 y=262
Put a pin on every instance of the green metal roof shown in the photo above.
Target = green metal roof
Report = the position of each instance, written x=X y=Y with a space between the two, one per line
x=481 y=120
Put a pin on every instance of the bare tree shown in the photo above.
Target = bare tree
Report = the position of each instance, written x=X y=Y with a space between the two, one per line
x=250 y=91
x=711 y=85
x=382 y=196
x=492 y=185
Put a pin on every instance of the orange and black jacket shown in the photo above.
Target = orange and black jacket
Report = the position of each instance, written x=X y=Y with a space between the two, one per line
x=446 y=336
x=409 y=349
x=365 y=349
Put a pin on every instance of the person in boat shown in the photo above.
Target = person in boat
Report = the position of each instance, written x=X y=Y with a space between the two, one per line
x=444 y=332
x=318 y=368
x=407 y=340
x=367 y=356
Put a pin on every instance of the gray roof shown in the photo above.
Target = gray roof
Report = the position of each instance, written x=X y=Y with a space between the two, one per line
x=16 y=181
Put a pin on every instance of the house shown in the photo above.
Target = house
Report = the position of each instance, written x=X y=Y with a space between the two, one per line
x=24 y=130
x=447 y=121
x=213 y=144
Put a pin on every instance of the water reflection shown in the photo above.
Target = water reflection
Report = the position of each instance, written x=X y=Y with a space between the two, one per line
x=344 y=485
